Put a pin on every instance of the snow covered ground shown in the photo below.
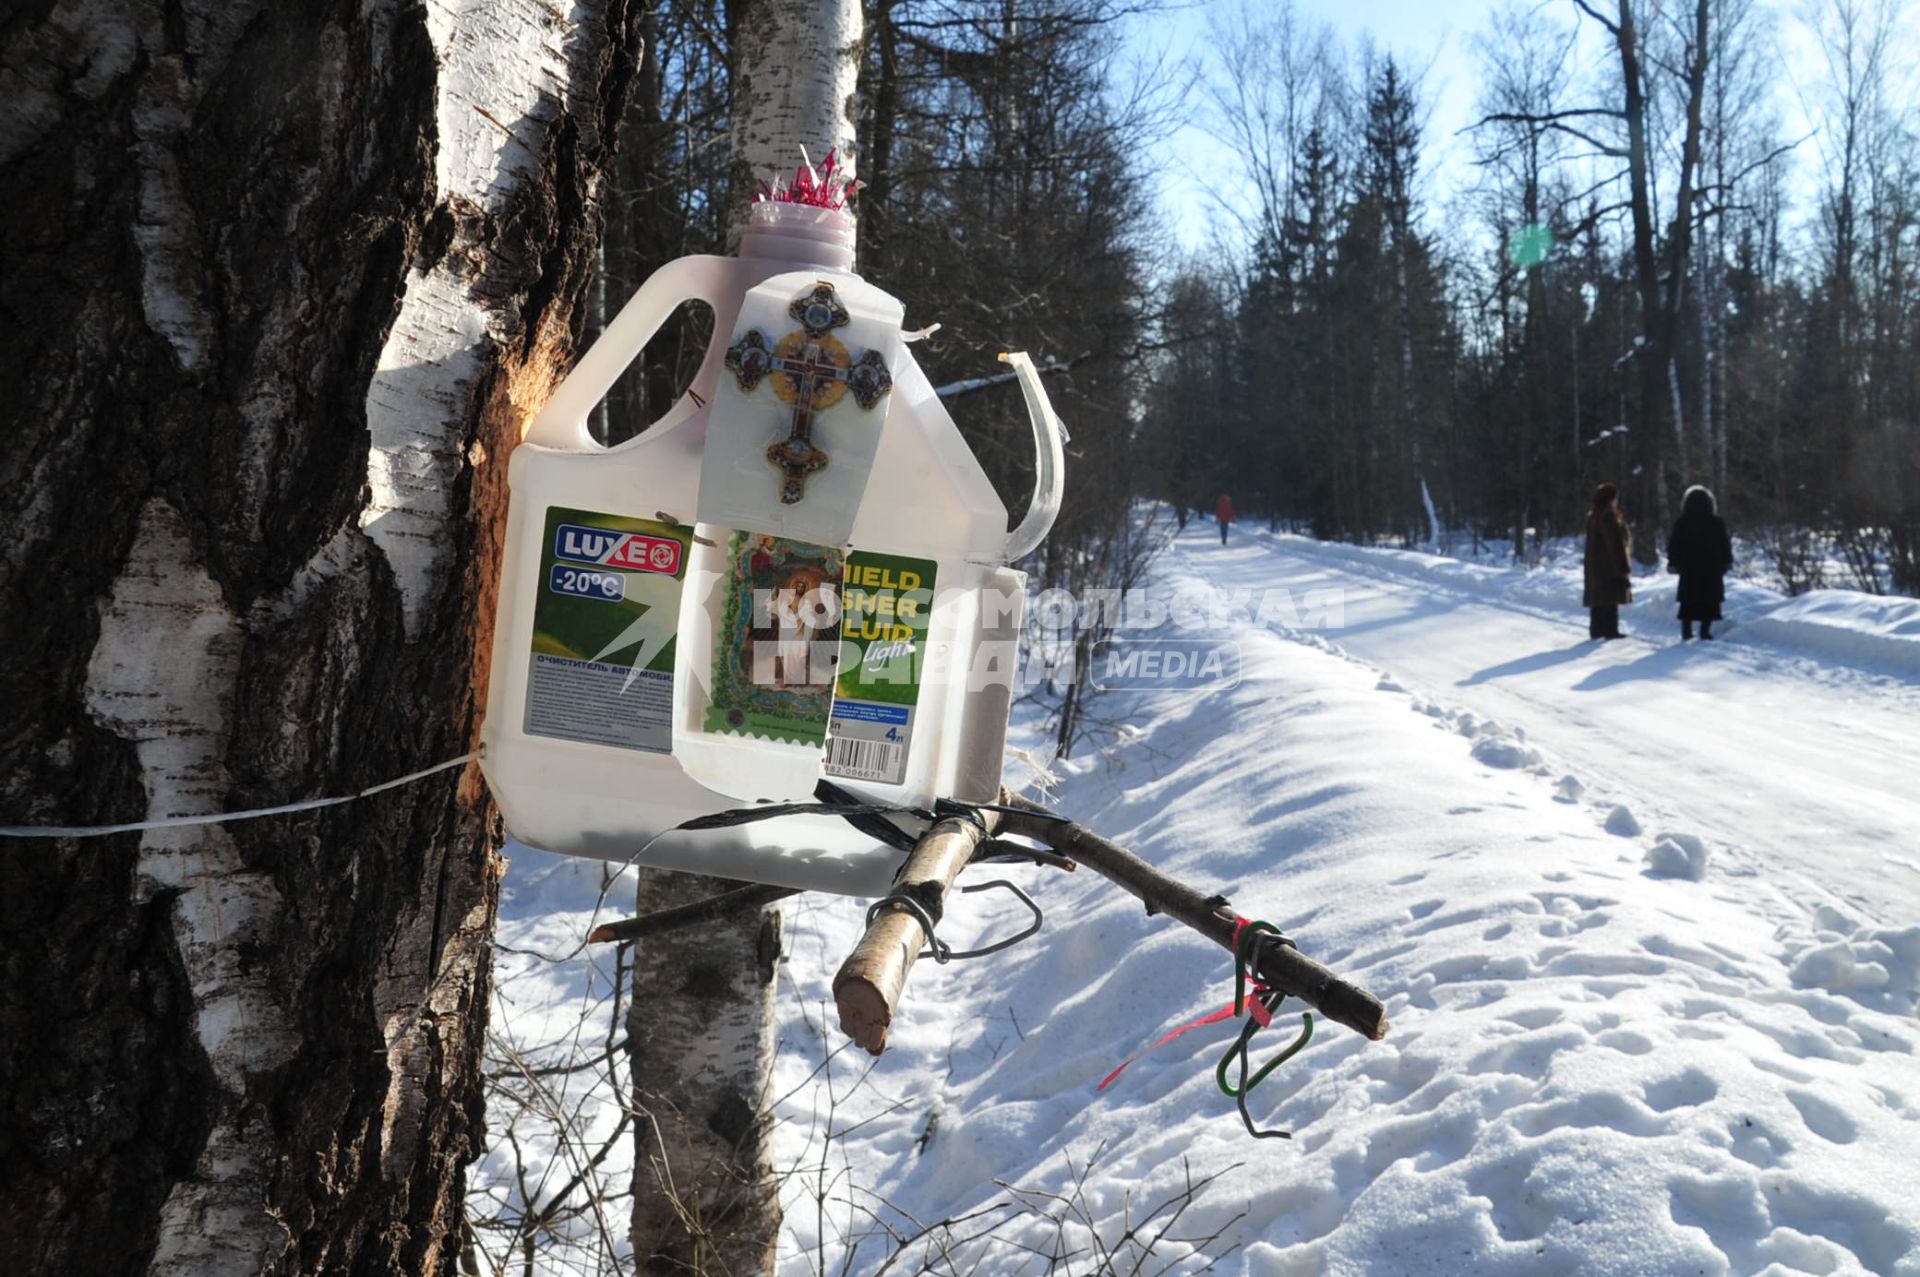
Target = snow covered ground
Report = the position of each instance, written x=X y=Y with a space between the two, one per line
x=1794 y=737
x=1647 y=921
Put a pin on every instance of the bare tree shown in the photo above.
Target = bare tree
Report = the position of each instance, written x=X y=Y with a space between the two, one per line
x=1853 y=36
x=1274 y=79
x=1861 y=323
x=1742 y=144
x=667 y=196
x=1659 y=260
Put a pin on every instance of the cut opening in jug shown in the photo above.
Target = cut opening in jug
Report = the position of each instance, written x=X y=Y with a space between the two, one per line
x=667 y=368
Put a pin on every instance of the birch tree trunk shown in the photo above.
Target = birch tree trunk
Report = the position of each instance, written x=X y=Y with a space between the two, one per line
x=702 y=1018
x=796 y=71
x=280 y=283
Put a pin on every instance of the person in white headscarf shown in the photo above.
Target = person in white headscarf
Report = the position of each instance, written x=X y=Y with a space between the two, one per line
x=1699 y=552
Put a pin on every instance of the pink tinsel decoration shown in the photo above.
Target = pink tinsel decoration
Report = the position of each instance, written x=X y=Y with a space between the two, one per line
x=824 y=187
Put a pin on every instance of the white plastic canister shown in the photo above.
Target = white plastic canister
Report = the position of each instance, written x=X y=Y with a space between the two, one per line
x=598 y=729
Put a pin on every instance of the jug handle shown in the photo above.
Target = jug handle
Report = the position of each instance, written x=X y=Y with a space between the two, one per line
x=563 y=422
x=1049 y=469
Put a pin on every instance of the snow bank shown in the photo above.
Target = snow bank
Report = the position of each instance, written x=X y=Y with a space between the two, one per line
x=1863 y=629
x=1871 y=960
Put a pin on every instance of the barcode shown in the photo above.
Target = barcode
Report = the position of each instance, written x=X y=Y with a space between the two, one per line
x=866 y=759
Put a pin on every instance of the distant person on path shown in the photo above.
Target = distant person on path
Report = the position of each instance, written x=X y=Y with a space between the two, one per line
x=1699 y=552
x=1223 y=515
x=1609 y=572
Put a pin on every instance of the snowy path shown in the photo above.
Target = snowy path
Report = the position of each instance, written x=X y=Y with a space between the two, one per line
x=1796 y=765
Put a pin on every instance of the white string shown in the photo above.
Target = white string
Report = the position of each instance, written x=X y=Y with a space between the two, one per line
x=222 y=817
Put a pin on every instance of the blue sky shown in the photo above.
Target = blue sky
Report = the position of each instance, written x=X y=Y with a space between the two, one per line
x=1427 y=37
x=1433 y=39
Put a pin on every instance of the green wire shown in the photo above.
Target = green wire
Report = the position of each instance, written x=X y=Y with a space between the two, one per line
x=1242 y=951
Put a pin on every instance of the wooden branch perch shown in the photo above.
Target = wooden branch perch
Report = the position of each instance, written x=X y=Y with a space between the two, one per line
x=1280 y=966
x=868 y=985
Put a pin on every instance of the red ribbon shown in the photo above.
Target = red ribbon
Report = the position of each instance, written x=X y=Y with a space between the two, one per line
x=1253 y=1007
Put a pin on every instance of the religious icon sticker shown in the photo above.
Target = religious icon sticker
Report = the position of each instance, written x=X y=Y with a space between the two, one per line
x=796 y=420
x=811 y=371
x=603 y=630
x=777 y=647
x=886 y=606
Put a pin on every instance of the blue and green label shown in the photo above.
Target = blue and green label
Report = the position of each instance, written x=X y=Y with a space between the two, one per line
x=604 y=621
x=886 y=607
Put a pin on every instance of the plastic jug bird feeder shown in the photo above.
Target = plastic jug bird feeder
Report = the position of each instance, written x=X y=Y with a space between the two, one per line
x=800 y=571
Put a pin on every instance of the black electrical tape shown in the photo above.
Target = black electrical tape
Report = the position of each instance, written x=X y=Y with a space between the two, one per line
x=873 y=825
x=948 y=809
x=773 y=811
x=1031 y=813
x=929 y=896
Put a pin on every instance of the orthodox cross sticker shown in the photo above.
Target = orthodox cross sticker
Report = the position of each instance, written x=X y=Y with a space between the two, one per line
x=812 y=370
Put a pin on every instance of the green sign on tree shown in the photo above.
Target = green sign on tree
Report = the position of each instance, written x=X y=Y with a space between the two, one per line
x=1529 y=246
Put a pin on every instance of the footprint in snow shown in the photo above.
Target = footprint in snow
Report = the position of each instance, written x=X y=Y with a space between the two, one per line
x=1824 y=1118
x=1625 y=1041
x=1756 y=1145
x=1685 y=1090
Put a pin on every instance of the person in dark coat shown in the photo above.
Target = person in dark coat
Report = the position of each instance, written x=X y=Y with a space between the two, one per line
x=1609 y=573
x=1699 y=552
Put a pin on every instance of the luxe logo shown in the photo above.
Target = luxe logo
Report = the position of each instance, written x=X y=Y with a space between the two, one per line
x=629 y=550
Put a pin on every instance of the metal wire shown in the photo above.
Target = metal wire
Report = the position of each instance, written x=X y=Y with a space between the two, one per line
x=938 y=949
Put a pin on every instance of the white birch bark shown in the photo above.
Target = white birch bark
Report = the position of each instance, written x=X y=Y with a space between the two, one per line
x=162 y=675
x=263 y=1054
x=796 y=69
x=502 y=66
x=702 y=1020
